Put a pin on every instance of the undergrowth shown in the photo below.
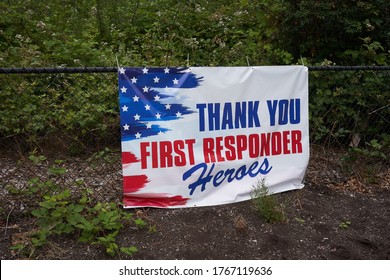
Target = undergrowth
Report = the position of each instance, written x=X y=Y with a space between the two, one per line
x=63 y=213
x=266 y=205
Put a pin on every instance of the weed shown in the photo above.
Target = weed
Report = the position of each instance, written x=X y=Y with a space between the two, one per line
x=140 y=223
x=265 y=204
x=107 y=155
x=61 y=213
x=345 y=224
x=36 y=159
x=152 y=229
x=373 y=150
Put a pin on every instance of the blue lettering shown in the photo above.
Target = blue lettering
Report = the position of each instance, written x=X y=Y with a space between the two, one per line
x=227 y=117
x=283 y=111
x=295 y=108
x=201 y=108
x=253 y=115
x=272 y=111
x=218 y=176
x=240 y=117
x=201 y=181
x=289 y=111
x=241 y=172
x=230 y=174
x=214 y=116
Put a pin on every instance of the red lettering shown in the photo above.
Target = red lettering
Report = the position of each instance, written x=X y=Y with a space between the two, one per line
x=286 y=142
x=219 y=149
x=231 y=151
x=208 y=150
x=154 y=155
x=254 y=147
x=242 y=145
x=180 y=158
x=276 y=143
x=144 y=154
x=296 y=136
x=190 y=147
x=265 y=144
x=166 y=154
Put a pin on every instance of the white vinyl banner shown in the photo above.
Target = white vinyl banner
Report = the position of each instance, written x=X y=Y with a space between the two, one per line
x=204 y=136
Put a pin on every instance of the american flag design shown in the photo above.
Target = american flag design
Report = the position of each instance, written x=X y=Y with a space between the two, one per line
x=149 y=97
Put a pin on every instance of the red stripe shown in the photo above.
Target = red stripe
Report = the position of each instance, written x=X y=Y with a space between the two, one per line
x=128 y=157
x=162 y=201
x=134 y=183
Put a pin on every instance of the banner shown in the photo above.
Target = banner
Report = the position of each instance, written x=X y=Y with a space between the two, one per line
x=205 y=136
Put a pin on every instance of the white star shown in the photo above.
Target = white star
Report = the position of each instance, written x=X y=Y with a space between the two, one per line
x=145 y=70
x=168 y=106
x=145 y=89
x=148 y=125
x=123 y=90
x=156 y=98
x=158 y=116
x=147 y=107
x=175 y=81
x=166 y=70
x=124 y=108
x=126 y=127
x=156 y=80
x=134 y=80
x=122 y=70
x=135 y=98
x=178 y=114
x=167 y=89
x=136 y=117
x=160 y=133
x=178 y=97
x=138 y=135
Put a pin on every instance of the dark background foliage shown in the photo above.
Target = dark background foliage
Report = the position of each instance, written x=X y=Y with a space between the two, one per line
x=202 y=33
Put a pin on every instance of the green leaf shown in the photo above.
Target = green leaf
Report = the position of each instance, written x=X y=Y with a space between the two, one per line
x=34 y=180
x=129 y=250
x=140 y=223
x=72 y=220
x=57 y=213
x=48 y=204
x=39 y=213
x=57 y=170
x=78 y=208
x=83 y=200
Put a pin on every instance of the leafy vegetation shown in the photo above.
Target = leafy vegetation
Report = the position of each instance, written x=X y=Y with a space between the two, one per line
x=59 y=210
x=165 y=32
x=346 y=107
x=265 y=204
x=61 y=213
x=345 y=32
x=58 y=215
x=207 y=33
x=345 y=224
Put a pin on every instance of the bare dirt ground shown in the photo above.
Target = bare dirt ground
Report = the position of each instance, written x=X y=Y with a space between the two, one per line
x=343 y=212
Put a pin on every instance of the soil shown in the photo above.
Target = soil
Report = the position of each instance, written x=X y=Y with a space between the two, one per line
x=343 y=212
